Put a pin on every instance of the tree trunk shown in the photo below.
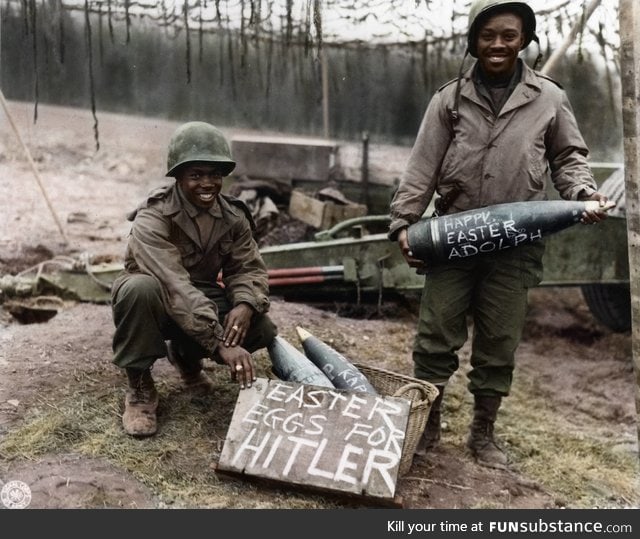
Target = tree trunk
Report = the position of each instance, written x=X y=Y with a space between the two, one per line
x=630 y=63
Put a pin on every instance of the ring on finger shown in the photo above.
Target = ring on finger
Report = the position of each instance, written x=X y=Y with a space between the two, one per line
x=235 y=328
x=239 y=367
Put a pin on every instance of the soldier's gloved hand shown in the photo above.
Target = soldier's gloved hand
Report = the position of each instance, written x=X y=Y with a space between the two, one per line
x=403 y=242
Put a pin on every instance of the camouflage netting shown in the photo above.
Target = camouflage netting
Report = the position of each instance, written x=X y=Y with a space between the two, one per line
x=265 y=42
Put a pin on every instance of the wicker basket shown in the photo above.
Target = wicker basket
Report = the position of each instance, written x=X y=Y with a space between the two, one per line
x=420 y=393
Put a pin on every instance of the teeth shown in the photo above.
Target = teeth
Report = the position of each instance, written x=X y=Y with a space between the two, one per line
x=206 y=196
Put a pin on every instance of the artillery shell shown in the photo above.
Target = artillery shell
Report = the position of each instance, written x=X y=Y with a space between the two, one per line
x=342 y=373
x=291 y=365
x=493 y=228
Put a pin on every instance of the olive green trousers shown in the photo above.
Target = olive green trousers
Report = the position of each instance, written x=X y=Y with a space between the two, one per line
x=143 y=325
x=491 y=291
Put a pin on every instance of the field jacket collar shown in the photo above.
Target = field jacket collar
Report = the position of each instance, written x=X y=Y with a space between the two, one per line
x=526 y=91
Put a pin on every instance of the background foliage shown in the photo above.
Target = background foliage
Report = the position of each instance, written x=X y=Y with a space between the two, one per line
x=241 y=69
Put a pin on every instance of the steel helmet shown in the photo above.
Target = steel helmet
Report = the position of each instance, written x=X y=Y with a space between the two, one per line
x=481 y=9
x=199 y=141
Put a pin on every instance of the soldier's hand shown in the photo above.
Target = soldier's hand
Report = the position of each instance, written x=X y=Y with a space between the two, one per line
x=403 y=243
x=591 y=217
x=240 y=364
x=236 y=324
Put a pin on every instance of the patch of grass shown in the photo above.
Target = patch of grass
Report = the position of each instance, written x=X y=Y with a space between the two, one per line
x=580 y=471
x=177 y=464
x=583 y=471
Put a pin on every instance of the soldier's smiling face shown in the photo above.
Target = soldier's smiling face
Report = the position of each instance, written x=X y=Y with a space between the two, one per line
x=201 y=183
x=499 y=42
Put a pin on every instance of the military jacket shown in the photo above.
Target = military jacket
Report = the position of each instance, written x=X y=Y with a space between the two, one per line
x=493 y=159
x=165 y=242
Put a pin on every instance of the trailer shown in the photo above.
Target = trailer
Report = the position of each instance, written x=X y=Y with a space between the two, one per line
x=355 y=261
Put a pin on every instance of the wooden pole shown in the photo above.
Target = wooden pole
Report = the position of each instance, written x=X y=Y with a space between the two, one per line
x=365 y=169
x=630 y=68
x=325 y=93
x=33 y=167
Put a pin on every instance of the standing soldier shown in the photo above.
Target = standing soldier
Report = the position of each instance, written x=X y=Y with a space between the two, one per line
x=183 y=236
x=496 y=134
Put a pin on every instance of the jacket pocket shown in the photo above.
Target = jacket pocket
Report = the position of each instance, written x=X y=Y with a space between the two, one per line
x=538 y=169
x=225 y=246
x=188 y=253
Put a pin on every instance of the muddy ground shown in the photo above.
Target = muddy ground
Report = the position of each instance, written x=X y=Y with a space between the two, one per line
x=569 y=425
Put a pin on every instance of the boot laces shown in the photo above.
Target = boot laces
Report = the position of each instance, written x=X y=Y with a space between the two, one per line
x=144 y=389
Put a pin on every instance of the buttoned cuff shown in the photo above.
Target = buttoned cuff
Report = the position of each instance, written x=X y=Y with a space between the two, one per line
x=584 y=193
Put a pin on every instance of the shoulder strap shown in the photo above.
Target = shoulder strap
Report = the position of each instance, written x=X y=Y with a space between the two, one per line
x=240 y=204
x=454 y=112
x=547 y=77
x=448 y=83
x=156 y=194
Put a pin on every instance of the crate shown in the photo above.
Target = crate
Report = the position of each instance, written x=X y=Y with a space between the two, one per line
x=322 y=214
x=419 y=392
x=283 y=158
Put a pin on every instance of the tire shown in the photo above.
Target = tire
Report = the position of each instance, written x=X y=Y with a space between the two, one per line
x=610 y=304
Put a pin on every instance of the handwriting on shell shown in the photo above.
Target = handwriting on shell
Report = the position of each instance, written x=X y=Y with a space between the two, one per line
x=481 y=233
x=314 y=436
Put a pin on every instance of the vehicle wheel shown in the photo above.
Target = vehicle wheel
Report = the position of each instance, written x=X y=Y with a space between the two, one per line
x=610 y=304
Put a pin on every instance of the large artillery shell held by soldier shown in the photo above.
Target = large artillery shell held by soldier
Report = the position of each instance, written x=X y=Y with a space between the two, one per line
x=342 y=373
x=291 y=365
x=493 y=228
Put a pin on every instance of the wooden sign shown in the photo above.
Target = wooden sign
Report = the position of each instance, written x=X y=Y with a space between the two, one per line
x=311 y=436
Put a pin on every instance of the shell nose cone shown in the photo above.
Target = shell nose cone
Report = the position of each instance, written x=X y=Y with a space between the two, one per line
x=303 y=334
x=594 y=205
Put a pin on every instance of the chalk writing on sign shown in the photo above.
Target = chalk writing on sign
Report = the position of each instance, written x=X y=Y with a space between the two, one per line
x=480 y=232
x=330 y=438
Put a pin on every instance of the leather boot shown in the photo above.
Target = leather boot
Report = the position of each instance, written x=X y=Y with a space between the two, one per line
x=431 y=434
x=193 y=377
x=481 y=443
x=140 y=404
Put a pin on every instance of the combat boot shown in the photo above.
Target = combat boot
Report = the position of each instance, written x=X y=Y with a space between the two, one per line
x=481 y=442
x=140 y=404
x=431 y=434
x=192 y=375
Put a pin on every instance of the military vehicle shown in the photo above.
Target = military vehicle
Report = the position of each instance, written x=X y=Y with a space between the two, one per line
x=354 y=260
